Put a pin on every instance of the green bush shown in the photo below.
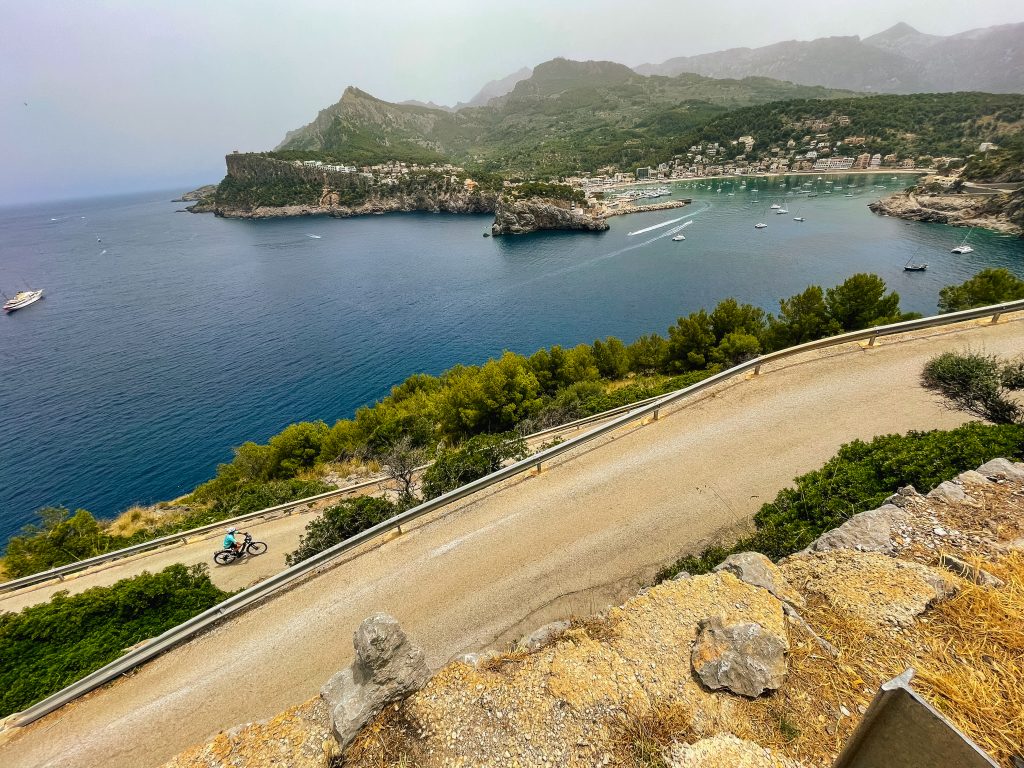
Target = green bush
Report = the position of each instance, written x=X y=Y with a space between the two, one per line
x=990 y=286
x=49 y=646
x=975 y=383
x=340 y=522
x=858 y=478
x=59 y=538
x=477 y=457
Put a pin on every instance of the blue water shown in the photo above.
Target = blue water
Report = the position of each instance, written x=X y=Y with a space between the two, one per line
x=167 y=338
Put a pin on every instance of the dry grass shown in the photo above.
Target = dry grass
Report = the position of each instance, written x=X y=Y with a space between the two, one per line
x=389 y=741
x=973 y=670
x=639 y=739
x=135 y=519
x=805 y=719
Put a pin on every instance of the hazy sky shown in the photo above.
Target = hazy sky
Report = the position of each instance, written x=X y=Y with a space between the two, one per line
x=100 y=97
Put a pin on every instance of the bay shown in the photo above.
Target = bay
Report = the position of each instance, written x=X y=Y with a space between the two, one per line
x=166 y=338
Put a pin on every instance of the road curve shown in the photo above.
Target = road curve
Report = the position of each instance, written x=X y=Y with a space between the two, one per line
x=586 y=532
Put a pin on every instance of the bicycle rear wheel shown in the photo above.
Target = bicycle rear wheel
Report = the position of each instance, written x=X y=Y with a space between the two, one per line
x=223 y=558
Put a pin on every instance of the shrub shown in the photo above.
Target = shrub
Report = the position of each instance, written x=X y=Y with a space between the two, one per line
x=990 y=286
x=859 y=477
x=59 y=538
x=340 y=522
x=477 y=457
x=976 y=384
x=49 y=646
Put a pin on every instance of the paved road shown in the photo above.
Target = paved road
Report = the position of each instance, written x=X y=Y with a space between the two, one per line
x=281 y=535
x=583 y=534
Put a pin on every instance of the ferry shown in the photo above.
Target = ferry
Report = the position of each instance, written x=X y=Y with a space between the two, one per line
x=23 y=299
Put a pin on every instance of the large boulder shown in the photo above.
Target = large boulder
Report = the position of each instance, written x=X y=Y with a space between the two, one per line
x=869 y=531
x=947 y=491
x=387 y=667
x=757 y=570
x=1002 y=469
x=744 y=658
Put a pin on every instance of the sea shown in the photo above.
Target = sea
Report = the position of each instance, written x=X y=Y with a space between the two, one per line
x=166 y=338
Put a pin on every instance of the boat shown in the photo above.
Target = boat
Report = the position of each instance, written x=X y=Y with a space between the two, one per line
x=781 y=211
x=910 y=266
x=22 y=299
x=964 y=247
x=679 y=237
x=774 y=206
x=798 y=218
x=760 y=225
x=487 y=234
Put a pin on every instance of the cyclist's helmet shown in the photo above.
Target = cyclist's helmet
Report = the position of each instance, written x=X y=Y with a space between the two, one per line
x=232 y=530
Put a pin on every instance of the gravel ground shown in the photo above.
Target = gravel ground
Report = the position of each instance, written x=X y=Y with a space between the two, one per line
x=587 y=532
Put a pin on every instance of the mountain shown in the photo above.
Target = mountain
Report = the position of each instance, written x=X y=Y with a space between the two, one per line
x=496 y=88
x=898 y=60
x=567 y=115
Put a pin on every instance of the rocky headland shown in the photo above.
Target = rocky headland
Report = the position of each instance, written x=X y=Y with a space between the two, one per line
x=518 y=216
x=756 y=664
x=440 y=202
x=1000 y=212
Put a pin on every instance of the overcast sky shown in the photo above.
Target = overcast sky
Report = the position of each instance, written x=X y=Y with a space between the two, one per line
x=100 y=97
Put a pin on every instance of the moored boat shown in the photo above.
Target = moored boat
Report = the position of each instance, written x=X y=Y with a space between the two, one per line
x=22 y=299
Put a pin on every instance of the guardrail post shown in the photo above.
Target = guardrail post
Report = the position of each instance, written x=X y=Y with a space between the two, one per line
x=655 y=414
x=995 y=317
x=539 y=467
x=757 y=370
x=871 y=341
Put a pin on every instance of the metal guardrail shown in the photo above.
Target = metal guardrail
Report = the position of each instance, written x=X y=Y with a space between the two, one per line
x=252 y=595
x=902 y=730
x=268 y=513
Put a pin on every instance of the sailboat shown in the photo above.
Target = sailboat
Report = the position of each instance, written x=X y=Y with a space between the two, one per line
x=964 y=247
x=910 y=266
x=798 y=218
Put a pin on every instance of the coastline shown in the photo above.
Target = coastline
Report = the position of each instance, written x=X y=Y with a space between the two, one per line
x=734 y=177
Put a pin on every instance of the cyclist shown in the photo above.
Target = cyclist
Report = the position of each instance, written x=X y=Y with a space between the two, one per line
x=234 y=541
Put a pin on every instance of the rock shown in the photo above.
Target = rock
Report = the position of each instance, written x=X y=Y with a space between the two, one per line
x=948 y=492
x=757 y=570
x=520 y=216
x=970 y=572
x=971 y=477
x=879 y=590
x=724 y=750
x=682 y=576
x=996 y=212
x=903 y=496
x=543 y=635
x=387 y=667
x=1002 y=469
x=866 y=532
x=743 y=658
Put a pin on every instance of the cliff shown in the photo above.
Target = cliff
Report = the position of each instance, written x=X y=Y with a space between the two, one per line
x=1001 y=212
x=519 y=215
x=259 y=186
x=755 y=664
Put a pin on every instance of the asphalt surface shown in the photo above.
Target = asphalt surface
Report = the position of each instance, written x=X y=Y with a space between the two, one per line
x=587 y=532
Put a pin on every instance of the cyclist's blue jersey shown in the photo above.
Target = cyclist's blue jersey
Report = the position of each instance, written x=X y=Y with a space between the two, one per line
x=229 y=541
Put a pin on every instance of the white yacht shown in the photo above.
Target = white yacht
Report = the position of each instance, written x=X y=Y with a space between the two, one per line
x=760 y=225
x=23 y=299
x=964 y=247
x=774 y=206
x=679 y=237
